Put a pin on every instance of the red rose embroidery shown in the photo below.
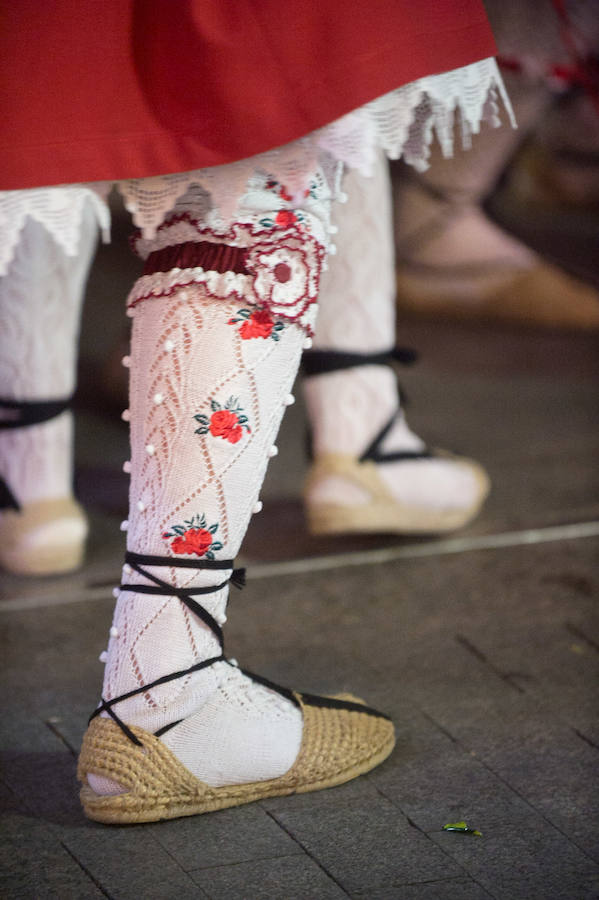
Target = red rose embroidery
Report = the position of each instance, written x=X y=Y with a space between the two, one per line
x=285 y=218
x=259 y=325
x=194 y=537
x=195 y=540
x=225 y=424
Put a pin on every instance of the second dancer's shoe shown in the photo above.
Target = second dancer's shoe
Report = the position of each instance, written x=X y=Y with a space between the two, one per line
x=409 y=490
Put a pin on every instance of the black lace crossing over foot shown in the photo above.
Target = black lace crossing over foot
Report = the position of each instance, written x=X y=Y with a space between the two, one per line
x=21 y=414
x=137 y=562
x=321 y=362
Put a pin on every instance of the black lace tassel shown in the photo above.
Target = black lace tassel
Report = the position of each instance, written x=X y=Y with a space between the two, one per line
x=238 y=578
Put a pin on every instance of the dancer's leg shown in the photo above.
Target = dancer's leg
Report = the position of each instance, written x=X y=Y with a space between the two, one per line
x=453 y=259
x=42 y=529
x=349 y=488
x=210 y=380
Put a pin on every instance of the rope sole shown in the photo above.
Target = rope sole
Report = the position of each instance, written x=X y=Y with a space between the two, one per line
x=43 y=538
x=338 y=744
x=382 y=513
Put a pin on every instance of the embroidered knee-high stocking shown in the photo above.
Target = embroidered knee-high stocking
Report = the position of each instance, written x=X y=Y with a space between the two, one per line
x=207 y=397
x=42 y=529
x=219 y=323
x=371 y=472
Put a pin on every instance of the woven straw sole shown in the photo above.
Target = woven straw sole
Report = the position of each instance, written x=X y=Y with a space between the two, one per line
x=382 y=513
x=338 y=744
x=43 y=538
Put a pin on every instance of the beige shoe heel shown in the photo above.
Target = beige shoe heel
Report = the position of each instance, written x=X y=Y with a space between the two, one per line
x=43 y=538
x=381 y=512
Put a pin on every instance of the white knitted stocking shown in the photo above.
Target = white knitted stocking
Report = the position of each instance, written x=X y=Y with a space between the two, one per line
x=40 y=304
x=212 y=363
x=357 y=314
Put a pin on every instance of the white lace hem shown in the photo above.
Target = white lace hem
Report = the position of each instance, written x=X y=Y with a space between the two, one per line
x=402 y=123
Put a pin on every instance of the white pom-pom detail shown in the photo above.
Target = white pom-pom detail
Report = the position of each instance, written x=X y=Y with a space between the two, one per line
x=141 y=505
x=127 y=569
x=127 y=466
x=332 y=249
x=333 y=229
x=126 y=415
x=258 y=507
x=307 y=344
x=234 y=663
x=124 y=525
x=126 y=361
x=150 y=449
x=158 y=399
x=130 y=311
x=289 y=400
x=342 y=197
x=103 y=656
x=114 y=632
x=274 y=451
x=168 y=346
x=116 y=592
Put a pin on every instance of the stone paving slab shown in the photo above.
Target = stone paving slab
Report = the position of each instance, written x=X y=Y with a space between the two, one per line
x=34 y=864
x=289 y=877
x=225 y=838
x=464 y=889
x=367 y=844
x=128 y=863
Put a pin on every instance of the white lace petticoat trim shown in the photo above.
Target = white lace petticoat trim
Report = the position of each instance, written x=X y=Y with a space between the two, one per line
x=402 y=123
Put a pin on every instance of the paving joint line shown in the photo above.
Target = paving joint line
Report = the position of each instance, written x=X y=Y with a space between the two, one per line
x=86 y=871
x=306 y=851
x=443 y=547
x=506 y=677
x=53 y=727
x=429 y=836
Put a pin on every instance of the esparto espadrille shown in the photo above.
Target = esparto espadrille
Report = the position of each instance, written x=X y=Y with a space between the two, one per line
x=341 y=736
x=43 y=537
x=380 y=511
x=341 y=740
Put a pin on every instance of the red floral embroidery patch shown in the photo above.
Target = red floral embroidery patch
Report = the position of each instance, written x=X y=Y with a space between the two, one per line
x=284 y=218
x=227 y=423
x=194 y=538
x=257 y=324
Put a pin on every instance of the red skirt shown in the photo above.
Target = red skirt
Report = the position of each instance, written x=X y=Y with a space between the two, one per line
x=113 y=89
